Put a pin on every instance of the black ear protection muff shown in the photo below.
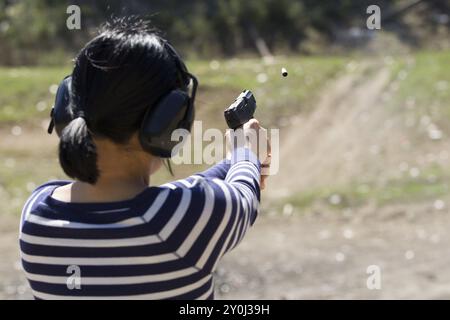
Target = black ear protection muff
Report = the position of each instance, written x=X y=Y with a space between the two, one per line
x=174 y=110
x=61 y=113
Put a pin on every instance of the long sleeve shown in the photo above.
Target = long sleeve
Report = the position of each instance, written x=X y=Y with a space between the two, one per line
x=220 y=210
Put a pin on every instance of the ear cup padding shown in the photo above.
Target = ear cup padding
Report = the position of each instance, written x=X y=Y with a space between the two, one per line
x=161 y=120
x=62 y=113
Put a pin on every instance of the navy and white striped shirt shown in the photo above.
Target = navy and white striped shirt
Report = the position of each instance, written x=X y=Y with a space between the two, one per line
x=163 y=244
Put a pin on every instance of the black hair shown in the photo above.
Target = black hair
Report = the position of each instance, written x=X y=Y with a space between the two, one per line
x=117 y=76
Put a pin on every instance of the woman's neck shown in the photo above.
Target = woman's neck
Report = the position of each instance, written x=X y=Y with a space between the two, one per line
x=105 y=190
x=124 y=173
x=108 y=189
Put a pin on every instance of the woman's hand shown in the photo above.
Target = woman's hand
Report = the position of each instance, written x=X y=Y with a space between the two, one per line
x=254 y=137
x=262 y=149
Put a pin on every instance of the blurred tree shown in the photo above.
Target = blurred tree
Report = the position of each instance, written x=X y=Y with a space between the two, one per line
x=35 y=30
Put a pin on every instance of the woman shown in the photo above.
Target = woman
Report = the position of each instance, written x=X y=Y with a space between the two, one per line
x=107 y=234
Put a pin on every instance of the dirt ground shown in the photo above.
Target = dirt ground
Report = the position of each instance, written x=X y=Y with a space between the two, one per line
x=326 y=256
x=323 y=253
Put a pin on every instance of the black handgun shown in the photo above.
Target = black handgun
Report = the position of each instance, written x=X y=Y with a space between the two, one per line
x=241 y=110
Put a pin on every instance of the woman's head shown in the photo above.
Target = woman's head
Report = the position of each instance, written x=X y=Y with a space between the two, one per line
x=117 y=77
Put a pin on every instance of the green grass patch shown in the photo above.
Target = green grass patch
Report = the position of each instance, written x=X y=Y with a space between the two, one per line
x=25 y=93
x=277 y=97
x=392 y=191
x=424 y=82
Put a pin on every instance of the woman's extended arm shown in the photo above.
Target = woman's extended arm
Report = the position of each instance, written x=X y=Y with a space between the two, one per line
x=218 y=212
x=220 y=205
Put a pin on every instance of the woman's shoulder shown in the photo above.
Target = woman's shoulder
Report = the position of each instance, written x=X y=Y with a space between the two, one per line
x=39 y=193
x=52 y=184
x=193 y=183
x=43 y=190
